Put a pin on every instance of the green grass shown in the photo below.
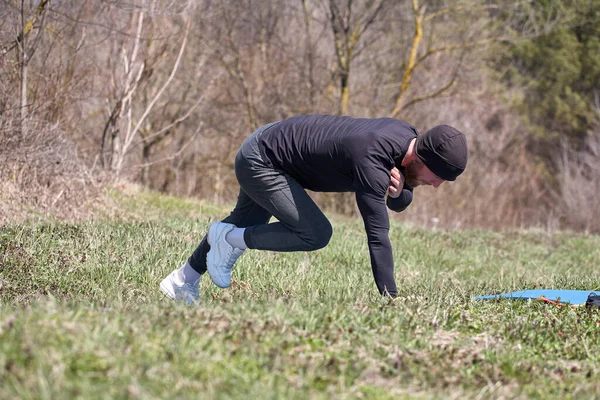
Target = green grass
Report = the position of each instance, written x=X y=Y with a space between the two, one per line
x=81 y=315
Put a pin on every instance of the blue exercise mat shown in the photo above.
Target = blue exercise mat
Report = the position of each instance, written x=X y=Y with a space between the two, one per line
x=565 y=296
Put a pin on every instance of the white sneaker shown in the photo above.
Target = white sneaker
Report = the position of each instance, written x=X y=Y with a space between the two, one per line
x=222 y=255
x=174 y=287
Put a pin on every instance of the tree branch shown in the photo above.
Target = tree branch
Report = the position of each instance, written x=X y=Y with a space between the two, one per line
x=457 y=9
x=174 y=123
x=411 y=64
x=129 y=140
x=433 y=94
x=173 y=156
x=27 y=27
x=464 y=45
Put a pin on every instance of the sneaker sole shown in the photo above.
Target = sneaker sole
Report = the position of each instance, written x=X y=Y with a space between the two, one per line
x=212 y=273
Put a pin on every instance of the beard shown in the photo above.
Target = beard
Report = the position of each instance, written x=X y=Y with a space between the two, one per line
x=411 y=173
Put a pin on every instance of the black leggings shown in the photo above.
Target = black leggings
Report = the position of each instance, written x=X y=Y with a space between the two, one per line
x=265 y=192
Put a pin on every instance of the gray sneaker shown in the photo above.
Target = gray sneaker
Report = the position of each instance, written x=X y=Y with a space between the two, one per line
x=175 y=288
x=222 y=255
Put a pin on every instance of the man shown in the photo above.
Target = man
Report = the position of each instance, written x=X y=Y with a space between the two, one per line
x=380 y=160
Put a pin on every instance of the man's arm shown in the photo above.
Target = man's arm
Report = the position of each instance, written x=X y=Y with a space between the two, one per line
x=399 y=194
x=377 y=225
x=400 y=203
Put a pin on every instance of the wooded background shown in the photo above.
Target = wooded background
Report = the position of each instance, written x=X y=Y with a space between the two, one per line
x=162 y=93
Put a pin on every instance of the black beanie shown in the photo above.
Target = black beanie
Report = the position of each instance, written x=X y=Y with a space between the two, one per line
x=443 y=149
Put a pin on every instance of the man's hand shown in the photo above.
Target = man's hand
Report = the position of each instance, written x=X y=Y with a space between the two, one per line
x=396 y=183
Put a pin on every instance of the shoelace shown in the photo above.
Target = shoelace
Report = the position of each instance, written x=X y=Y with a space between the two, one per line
x=189 y=288
x=232 y=257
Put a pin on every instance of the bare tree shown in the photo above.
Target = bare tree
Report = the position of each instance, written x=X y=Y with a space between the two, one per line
x=30 y=21
x=309 y=52
x=477 y=24
x=348 y=27
x=416 y=57
x=128 y=121
x=240 y=38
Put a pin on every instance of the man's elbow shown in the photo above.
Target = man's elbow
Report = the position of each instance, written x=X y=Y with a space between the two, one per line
x=398 y=206
x=401 y=202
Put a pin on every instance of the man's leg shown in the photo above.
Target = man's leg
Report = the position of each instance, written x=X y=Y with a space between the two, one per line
x=246 y=213
x=182 y=283
x=302 y=225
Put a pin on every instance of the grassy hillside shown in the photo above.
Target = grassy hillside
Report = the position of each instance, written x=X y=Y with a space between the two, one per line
x=81 y=314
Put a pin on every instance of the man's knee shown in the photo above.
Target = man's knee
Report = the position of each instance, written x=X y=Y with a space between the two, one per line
x=321 y=234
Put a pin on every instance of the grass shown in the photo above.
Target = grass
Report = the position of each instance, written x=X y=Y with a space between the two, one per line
x=81 y=315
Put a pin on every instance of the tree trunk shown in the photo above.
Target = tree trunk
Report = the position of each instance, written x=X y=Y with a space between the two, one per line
x=22 y=55
x=412 y=59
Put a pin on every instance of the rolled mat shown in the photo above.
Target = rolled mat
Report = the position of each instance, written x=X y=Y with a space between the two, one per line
x=573 y=297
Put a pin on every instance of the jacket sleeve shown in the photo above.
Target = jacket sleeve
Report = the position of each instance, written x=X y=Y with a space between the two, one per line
x=400 y=203
x=374 y=213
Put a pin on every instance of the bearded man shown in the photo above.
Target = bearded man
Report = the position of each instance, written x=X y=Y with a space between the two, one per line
x=381 y=160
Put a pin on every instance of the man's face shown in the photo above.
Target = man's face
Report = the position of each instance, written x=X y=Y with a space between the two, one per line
x=416 y=174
